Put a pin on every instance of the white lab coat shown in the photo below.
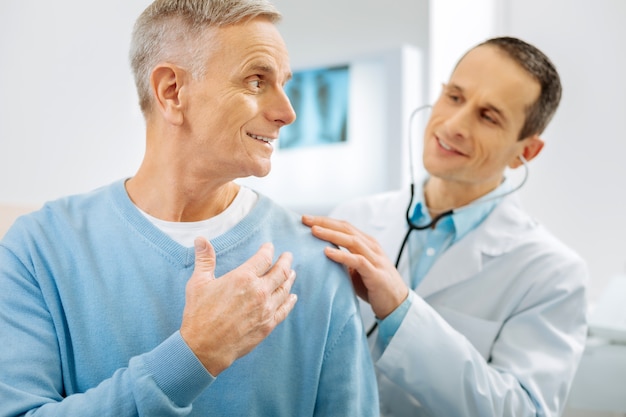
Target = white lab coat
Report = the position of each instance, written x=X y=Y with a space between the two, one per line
x=496 y=328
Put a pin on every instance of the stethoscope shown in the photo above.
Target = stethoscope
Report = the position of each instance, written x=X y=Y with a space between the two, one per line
x=435 y=220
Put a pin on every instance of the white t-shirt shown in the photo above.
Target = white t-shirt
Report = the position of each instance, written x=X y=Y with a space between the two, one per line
x=186 y=232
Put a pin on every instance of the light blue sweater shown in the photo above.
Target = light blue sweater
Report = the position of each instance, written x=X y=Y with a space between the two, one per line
x=91 y=300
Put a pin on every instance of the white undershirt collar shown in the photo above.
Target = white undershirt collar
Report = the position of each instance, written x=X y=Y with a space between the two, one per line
x=186 y=232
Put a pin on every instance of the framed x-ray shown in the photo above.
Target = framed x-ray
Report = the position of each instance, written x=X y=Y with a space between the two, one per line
x=320 y=100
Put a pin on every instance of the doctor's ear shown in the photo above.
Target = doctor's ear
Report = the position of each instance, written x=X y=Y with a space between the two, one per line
x=530 y=148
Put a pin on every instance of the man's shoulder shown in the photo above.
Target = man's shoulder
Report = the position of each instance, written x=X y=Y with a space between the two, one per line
x=373 y=206
x=286 y=225
x=286 y=230
x=58 y=215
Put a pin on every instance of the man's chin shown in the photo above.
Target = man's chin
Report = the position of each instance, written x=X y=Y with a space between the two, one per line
x=261 y=172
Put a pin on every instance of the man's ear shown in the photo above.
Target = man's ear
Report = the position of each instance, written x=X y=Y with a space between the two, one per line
x=530 y=148
x=167 y=81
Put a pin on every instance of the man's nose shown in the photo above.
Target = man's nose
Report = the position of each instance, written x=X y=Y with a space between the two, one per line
x=281 y=111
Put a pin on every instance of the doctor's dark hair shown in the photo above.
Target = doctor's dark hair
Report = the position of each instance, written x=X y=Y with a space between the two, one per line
x=541 y=68
x=176 y=31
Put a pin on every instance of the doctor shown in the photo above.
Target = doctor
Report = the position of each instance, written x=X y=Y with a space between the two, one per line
x=484 y=312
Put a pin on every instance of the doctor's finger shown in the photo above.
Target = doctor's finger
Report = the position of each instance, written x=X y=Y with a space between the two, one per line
x=358 y=246
x=354 y=241
x=332 y=224
x=339 y=238
x=357 y=262
x=321 y=221
x=318 y=223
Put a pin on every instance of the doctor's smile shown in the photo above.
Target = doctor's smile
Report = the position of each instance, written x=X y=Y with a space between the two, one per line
x=447 y=147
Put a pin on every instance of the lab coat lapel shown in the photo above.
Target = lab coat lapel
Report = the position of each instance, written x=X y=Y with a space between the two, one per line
x=463 y=260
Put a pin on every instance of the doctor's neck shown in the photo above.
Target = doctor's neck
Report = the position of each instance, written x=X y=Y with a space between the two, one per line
x=442 y=195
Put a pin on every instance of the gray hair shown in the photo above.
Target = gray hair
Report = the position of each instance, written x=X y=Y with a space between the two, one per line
x=173 y=31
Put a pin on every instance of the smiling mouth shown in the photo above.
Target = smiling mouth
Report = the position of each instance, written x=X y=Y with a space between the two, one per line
x=261 y=138
x=444 y=146
x=447 y=147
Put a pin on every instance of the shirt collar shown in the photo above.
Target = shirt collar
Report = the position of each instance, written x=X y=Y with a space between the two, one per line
x=464 y=219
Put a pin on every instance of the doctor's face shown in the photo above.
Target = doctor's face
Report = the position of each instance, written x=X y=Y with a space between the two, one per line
x=473 y=131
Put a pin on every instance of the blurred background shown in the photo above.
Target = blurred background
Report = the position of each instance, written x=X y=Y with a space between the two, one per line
x=69 y=119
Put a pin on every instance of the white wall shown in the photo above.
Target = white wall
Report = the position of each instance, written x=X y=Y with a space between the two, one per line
x=577 y=185
x=332 y=30
x=455 y=26
x=68 y=115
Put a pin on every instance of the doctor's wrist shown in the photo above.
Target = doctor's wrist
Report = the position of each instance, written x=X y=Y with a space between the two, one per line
x=388 y=327
x=393 y=303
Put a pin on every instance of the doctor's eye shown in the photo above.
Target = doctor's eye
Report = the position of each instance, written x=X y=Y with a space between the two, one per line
x=453 y=97
x=488 y=118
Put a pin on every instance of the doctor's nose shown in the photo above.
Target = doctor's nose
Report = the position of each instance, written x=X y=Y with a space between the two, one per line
x=458 y=123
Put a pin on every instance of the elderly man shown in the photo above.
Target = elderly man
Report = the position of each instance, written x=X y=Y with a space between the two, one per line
x=174 y=292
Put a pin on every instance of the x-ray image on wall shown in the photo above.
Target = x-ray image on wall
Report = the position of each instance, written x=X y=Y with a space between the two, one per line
x=320 y=100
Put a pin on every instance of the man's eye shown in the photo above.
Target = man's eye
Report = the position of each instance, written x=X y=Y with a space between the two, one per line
x=488 y=118
x=256 y=84
x=454 y=98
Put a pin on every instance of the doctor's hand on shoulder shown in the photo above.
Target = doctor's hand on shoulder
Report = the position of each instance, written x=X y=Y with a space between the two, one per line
x=374 y=276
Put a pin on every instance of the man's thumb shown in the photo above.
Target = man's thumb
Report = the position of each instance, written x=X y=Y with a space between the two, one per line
x=205 y=258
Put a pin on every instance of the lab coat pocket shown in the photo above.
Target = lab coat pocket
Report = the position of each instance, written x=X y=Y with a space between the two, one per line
x=480 y=332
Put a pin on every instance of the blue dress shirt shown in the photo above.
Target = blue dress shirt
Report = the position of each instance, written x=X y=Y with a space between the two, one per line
x=427 y=245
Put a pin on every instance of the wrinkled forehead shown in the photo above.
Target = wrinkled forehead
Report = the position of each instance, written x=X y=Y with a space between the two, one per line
x=255 y=42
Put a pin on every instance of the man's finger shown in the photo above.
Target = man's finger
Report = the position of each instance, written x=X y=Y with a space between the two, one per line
x=261 y=261
x=205 y=258
x=281 y=271
x=283 y=311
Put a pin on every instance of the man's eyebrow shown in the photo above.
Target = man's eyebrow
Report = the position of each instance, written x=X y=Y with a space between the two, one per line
x=262 y=68
x=501 y=114
x=453 y=87
x=267 y=69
